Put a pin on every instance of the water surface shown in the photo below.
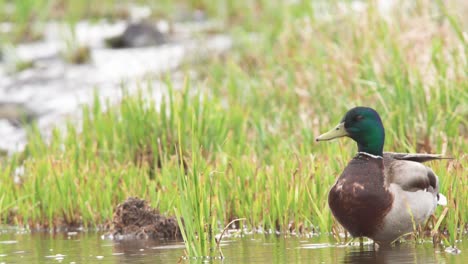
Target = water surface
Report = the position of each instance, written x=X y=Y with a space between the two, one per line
x=91 y=248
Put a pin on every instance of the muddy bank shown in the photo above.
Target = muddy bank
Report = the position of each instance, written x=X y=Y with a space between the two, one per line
x=135 y=219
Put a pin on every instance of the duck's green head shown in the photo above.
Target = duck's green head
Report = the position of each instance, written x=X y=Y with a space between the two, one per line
x=363 y=125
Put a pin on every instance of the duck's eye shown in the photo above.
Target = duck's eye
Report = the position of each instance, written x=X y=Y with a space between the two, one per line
x=358 y=118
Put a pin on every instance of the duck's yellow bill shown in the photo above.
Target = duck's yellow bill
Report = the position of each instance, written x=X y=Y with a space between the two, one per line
x=336 y=132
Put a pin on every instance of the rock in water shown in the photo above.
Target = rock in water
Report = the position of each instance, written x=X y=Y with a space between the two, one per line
x=135 y=219
x=138 y=35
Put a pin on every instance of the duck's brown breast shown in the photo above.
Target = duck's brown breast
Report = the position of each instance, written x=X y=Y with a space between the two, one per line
x=359 y=199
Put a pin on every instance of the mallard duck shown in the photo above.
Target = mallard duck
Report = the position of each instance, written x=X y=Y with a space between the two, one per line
x=380 y=195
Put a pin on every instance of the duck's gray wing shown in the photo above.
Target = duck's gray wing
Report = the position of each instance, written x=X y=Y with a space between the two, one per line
x=418 y=157
x=407 y=171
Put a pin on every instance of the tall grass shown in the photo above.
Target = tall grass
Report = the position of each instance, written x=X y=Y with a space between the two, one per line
x=239 y=141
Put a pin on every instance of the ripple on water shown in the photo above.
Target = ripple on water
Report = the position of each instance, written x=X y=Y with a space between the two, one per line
x=312 y=246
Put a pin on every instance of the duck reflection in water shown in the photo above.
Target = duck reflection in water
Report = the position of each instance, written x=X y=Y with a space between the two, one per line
x=396 y=254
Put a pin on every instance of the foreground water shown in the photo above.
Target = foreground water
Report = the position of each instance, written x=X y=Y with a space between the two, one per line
x=91 y=248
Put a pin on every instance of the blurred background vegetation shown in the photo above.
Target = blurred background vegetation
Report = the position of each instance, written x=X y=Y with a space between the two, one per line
x=237 y=140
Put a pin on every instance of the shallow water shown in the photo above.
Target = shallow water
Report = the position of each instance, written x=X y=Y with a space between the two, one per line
x=91 y=248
